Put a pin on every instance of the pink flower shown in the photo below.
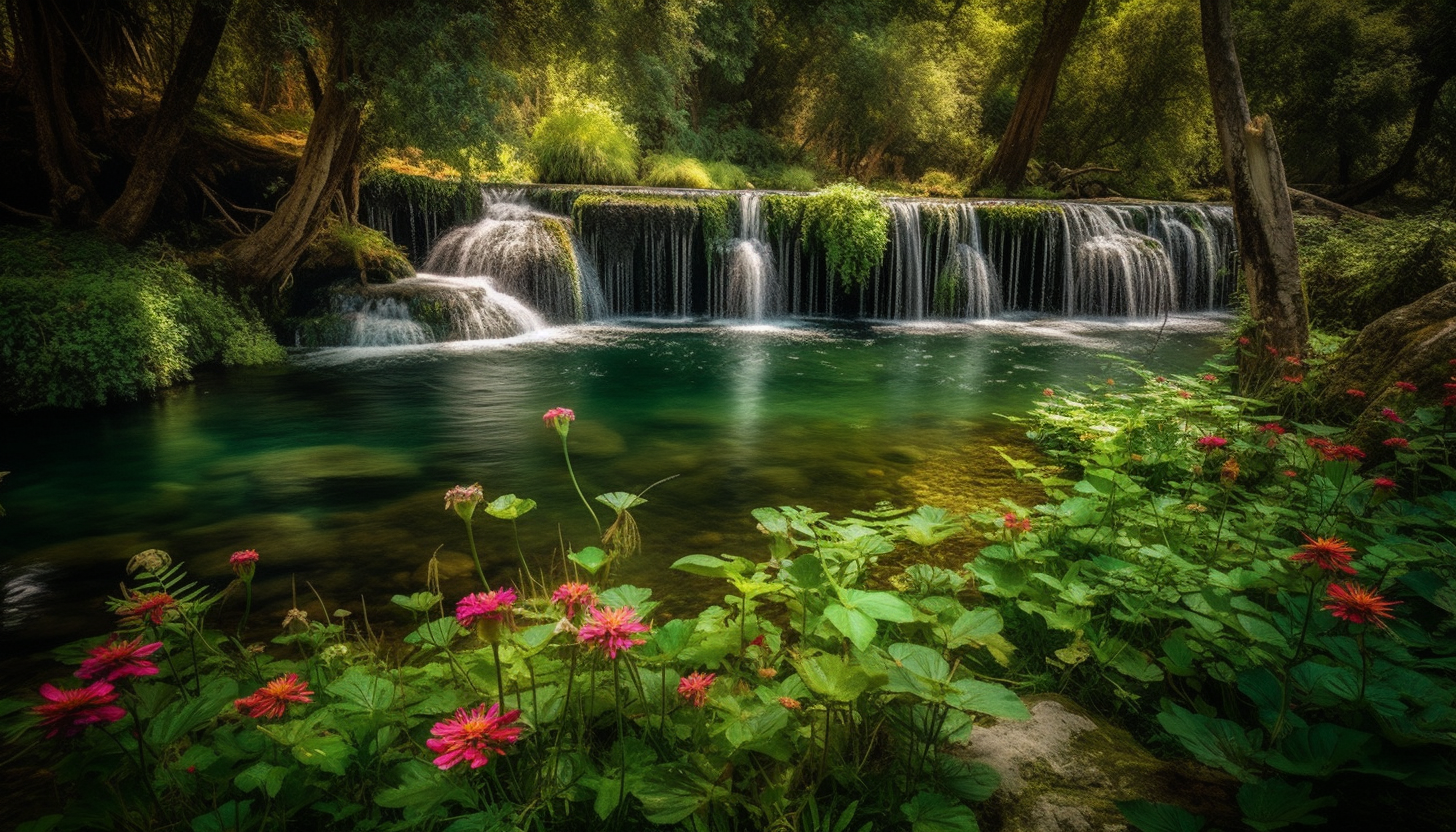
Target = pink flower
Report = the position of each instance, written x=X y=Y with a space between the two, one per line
x=574 y=595
x=1384 y=484
x=1271 y=427
x=1396 y=442
x=1359 y=394
x=1391 y=415
x=1357 y=604
x=484 y=606
x=694 y=688
x=272 y=699
x=141 y=607
x=612 y=629
x=1328 y=553
x=559 y=418
x=1013 y=524
x=1405 y=386
x=119 y=659
x=1209 y=443
x=464 y=499
x=244 y=563
x=1209 y=377
x=69 y=712
x=473 y=735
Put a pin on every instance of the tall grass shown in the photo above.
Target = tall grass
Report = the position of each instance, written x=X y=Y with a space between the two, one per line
x=584 y=144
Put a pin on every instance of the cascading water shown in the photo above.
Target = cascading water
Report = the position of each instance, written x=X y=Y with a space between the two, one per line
x=747 y=285
x=429 y=308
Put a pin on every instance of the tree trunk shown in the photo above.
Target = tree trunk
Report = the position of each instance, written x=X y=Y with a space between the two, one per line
x=329 y=152
x=41 y=47
x=1368 y=189
x=128 y=216
x=1061 y=20
x=1262 y=215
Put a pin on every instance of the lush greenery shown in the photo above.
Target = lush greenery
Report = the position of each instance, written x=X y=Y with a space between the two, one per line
x=586 y=145
x=852 y=225
x=88 y=321
x=1357 y=270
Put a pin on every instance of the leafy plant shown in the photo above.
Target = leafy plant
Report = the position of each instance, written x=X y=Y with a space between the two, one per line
x=852 y=226
x=585 y=144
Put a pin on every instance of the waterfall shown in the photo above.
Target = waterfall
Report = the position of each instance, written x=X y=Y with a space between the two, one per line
x=1116 y=270
x=746 y=285
x=426 y=309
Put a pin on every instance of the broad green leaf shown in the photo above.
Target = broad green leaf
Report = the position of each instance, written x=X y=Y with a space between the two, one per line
x=1319 y=750
x=421 y=787
x=830 y=676
x=974 y=627
x=673 y=636
x=1274 y=804
x=854 y=625
x=1214 y=742
x=710 y=566
x=1160 y=817
x=884 y=606
x=262 y=775
x=533 y=638
x=592 y=558
x=988 y=698
x=363 y=689
x=509 y=506
x=329 y=752
x=626 y=595
x=437 y=633
x=184 y=715
x=934 y=812
x=669 y=793
x=967 y=780
x=232 y=815
x=1263 y=632
x=807 y=571
x=420 y=602
x=619 y=501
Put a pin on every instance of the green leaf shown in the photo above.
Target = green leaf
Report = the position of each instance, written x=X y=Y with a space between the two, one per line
x=1320 y=750
x=262 y=775
x=627 y=595
x=854 y=625
x=934 y=812
x=420 y=602
x=437 y=633
x=807 y=571
x=363 y=689
x=1159 y=817
x=183 y=715
x=1274 y=804
x=673 y=636
x=230 y=816
x=885 y=606
x=669 y=793
x=1263 y=632
x=509 y=507
x=988 y=698
x=966 y=780
x=710 y=566
x=329 y=752
x=592 y=558
x=619 y=501
x=1214 y=742
x=974 y=627
x=929 y=525
x=421 y=787
x=830 y=676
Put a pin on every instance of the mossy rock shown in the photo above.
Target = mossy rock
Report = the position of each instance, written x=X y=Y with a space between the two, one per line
x=1064 y=770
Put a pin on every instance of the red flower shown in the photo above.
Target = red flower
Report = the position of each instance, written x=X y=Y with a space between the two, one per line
x=1013 y=524
x=1328 y=553
x=574 y=595
x=1160 y=379
x=69 y=712
x=1449 y=401
x=484 y=606
x=1290 y=474
x=244 y=563
x=1048 y=392
x=1359 y=394
x=1292 y=359
x=1357 y=604
x=473 y=735
x=1396 y=442
x=150 y=607
x=1294 y=379
x=272 y=699
x=1271 y=427
x=612 y=629
x=1383 y=484
x=1346 y=453
x=117 y=660
x=1391 y=415
x=1209 y=377
x=1184 y=394
x=694 y=688
x=1405 y=386
x=1209 y=443
x=1243 y=340
x=790 y=703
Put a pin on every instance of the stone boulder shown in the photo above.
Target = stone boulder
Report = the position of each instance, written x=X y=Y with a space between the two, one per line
x=1063 y=770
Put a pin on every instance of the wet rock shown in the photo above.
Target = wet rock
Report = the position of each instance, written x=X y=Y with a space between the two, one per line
x=296 y=471
x=903 y=454
x=1063 y=769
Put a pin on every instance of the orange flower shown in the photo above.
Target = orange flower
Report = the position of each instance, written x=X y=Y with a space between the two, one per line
x=271 y=700
x=1357 y=604
x=1328 y=553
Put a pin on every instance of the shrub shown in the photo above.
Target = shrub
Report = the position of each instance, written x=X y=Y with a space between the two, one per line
x=585 y=144
x=787 y=179
x=853 y=226
x=351 y=245
x=86 y=321
x=1355 y=271
x=664 y=170
x=728 y=176
x=939 y=183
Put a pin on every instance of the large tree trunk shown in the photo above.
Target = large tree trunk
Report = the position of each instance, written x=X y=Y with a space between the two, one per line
x=1262 y=213
x=128 y=216
x=42 y=48
x=1368 y=189
x=1061 y=19
x=333 y=142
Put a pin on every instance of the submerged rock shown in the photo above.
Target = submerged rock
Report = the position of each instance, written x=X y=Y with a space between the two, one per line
x=1063 y=770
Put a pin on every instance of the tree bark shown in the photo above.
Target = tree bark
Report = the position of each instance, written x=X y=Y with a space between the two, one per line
x=1262 y=214
x=41 y=46
x=1061 y=21
x=1368 y=189
x=128 y=216
x=329 y=152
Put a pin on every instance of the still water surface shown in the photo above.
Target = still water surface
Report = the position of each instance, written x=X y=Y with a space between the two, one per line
x=333 y=466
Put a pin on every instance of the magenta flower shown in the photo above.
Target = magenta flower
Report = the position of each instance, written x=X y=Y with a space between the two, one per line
x=1012 y=523
x=484 y=606
x=1405 y=387
x=464 y=499
x=272 y=699
x=1396 y=442
x=574 y=595
x=694 y=688
x=1359 y=394
x=612 y=629
x=473 y=735
x=559 y=418
x=1383 y=484
x=151 y=607
x=119 y=659
x=244 y=563
x=69 y=712
x=1210 y=443
x=1391 y=415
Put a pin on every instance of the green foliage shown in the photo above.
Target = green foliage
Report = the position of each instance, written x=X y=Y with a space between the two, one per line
x=458 y=199
x=86 y=321
x=665 y=170
x=791 y=178
x=938 y=183
x=585 y=144
x=1165 y=578
x=1356 y=271
x=727 y=176
x=351 y=245
x=1017 y=217
x=852 y=226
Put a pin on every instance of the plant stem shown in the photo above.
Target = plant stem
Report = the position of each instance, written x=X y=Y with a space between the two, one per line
x=247 y=607
x=470 y=534
x=567 y=454
x=500 y=685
